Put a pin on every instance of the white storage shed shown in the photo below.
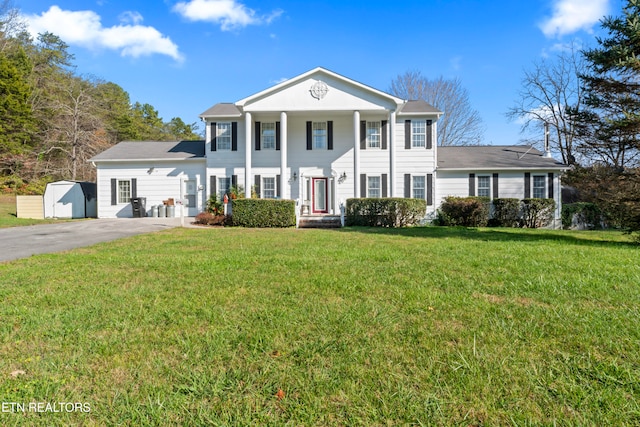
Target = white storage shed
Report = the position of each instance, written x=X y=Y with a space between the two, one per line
x=70 y=199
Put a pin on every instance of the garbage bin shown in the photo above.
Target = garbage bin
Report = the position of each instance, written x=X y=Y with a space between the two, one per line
x=162 y=211
x=171 y=211
x=138 y=206
x=154 y=211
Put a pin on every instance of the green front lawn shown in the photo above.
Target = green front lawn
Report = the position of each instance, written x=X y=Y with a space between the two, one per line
x=8 y=216
x=423 y=326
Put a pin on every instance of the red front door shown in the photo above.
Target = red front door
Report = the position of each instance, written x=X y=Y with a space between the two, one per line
x=320 y=200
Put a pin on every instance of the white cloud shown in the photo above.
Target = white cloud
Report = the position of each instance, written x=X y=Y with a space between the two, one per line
x=570 y=16
x=131 y=17
x=230 y=14
x=83 y=28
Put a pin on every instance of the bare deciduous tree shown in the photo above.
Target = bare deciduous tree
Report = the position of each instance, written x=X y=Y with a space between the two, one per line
x=550 y=89
x=460 y=124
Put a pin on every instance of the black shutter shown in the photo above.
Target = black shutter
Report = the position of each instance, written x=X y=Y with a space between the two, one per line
x=214 y=136
x=472 y=184
x=234 y=181
x=363 y=135
x=213 y=186
x=407 y=185
x=429 y=135
x=309 y=131
x=527 y=185
x=430 y=189
x=384 y=185
x=407 y=134
x=278 y=186
x=134 y=187
x=384 y=135
x=257 y=184
x=496 y=190
x=277 y=135
x=234 y=136
x=330 y=135
x=114 y=191
x=363 y=185
x=550 y=185
x=257 y=136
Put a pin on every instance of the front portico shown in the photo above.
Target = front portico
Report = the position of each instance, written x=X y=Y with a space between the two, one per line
x=320 y=139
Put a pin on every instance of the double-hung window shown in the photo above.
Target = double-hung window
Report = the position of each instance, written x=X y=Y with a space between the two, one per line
x=268 y=136
x=124 y=191
x=418 y=187
x=418 y=133
x=269 y=188
x=484 y=186
x=319 y=134
x=224 y=187
x=373 y=134
x=373 y=186
x=223 y=136
x=539 y=187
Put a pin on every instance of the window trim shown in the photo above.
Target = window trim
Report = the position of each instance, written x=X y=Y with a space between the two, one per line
x=369 y=187
x=542 y=187
x=487 y=187
x=220 y=186
x=222 y=138
x=320 y=137
x=264 y=137
x=414 y=188
x=263 y=187
x=414 y=134
x=377 y=126
x=120 y=192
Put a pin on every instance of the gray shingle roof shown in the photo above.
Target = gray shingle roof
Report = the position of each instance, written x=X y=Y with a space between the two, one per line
x=494 y=157
x=152 y=150
x=418 y=107
x=223 y=109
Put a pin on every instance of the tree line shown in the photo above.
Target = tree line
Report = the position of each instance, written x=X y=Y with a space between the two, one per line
x=589 y=99
x=53 y=119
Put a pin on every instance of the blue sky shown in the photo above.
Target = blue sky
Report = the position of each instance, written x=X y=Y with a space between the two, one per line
x=184 y=56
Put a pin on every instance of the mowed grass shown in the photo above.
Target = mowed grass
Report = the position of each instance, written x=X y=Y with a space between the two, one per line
x=423 y=326
x=8 y=216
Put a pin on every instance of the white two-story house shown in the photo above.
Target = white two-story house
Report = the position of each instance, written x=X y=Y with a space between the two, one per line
x=318 y=138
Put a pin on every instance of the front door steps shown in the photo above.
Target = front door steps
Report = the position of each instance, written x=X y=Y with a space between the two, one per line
x=319 y=221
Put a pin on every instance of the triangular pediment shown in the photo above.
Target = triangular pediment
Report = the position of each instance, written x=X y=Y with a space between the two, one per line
x=320 y=90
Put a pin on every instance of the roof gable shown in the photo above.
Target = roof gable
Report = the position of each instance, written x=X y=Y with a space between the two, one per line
x=318 y=90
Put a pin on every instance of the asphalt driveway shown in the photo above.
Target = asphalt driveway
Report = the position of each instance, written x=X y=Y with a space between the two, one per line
x=22 y=242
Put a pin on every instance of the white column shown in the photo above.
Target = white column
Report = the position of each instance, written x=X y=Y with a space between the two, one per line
x=356 y=154
x=247 y=159
x=392 y=154
x=284 y=176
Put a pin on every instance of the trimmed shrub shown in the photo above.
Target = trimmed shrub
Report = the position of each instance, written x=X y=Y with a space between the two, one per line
x=583 y=215
x=259 y=213
x=506 y=213
x=537 y=213
x=385 y=212
x=464 y=211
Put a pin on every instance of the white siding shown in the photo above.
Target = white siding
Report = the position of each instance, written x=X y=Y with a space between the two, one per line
x=161 y=183
x=510 y=185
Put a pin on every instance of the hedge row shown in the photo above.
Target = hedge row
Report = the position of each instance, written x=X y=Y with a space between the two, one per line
x=263 y=213
x=464 y=211
x=385 y=212
x=476 y=212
